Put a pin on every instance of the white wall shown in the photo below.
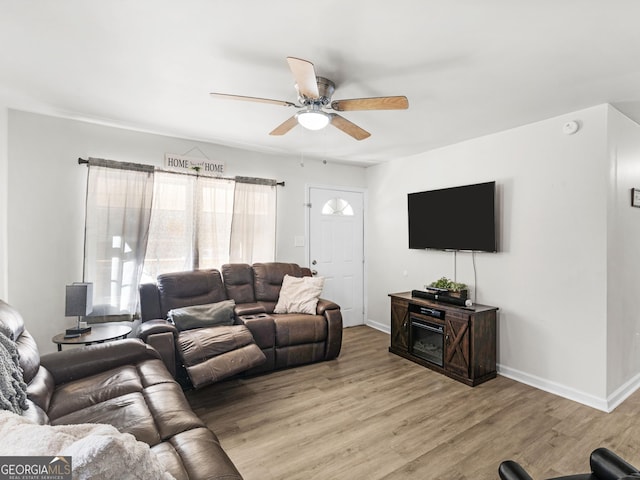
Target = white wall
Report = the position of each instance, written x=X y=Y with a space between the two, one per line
x=4 y=178
x=46 y=195
x=565 y=279
x=623 y=333
x=549 y=277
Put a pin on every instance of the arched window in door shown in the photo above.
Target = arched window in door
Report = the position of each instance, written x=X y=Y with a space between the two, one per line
x=337 y=206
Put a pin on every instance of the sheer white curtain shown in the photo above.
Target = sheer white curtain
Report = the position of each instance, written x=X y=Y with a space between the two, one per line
x=171 y=229
x=215 y=210
x=253 y=229
x=190 y=224
x=142 y=223
x=119 y=198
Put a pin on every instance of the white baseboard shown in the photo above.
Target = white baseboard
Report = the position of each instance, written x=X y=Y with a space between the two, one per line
x=555 y=388
x=623 y=392
x=603 y=404
x=378 y=326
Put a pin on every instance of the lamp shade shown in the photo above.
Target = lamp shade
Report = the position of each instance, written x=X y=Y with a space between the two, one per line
x=313 y=119
x=78 y=299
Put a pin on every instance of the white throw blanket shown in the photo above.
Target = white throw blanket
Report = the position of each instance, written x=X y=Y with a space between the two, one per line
x=97 y=451
x=13 y=390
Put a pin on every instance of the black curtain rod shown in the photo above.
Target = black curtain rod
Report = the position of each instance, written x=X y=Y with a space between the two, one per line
x=83 y=161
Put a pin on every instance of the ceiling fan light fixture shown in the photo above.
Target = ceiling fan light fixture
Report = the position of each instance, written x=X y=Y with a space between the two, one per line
x=313 y=119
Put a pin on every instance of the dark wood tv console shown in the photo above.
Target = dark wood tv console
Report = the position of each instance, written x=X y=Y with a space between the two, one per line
x=459 y=342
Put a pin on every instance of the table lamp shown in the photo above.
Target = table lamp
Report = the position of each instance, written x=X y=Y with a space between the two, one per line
x=78 y=302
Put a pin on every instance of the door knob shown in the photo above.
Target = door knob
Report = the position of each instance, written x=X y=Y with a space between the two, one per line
x=314 y=272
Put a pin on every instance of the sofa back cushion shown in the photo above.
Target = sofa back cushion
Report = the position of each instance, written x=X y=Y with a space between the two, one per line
x=268 y=279
x=189 y=288
x=238 y=282
x=25 y=343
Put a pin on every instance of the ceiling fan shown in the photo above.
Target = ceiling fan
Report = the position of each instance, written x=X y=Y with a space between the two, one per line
x=314 y=98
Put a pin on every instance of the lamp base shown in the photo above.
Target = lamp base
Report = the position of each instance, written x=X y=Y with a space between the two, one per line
x=77 y=331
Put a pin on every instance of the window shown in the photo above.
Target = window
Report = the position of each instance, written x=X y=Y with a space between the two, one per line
x=253 y=232
x=116 y=231
x=337 y=206
x=190 y=224
x=141 y=223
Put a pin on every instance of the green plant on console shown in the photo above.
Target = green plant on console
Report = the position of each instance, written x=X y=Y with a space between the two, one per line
x=444 y=282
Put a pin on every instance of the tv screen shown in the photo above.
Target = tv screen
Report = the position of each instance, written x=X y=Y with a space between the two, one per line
x=456 y=218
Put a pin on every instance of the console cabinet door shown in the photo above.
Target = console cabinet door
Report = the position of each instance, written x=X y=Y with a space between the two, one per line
x=400 y=324
x=457 y=351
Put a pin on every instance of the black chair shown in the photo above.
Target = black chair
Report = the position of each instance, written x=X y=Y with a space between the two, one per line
x=605 y=465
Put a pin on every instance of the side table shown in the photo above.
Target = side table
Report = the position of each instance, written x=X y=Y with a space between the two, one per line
x=98 y=334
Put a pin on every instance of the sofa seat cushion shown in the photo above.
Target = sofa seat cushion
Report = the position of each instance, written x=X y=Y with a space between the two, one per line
x=88 y=391
x=170 y=409
x=128 y=413
x=298 y=328
x=140 y=399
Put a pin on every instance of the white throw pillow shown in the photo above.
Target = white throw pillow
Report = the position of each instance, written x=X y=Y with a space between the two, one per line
x=97 y=451
x=299 y=295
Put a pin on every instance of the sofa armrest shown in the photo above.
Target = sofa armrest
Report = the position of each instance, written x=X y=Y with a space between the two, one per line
x=248 y=309
x=152 y=327
x=262 y=327
x=82 y=362
x=510 y=470
x=334 y=333
x=608 y=466
x=161 y=335
x=324 y=305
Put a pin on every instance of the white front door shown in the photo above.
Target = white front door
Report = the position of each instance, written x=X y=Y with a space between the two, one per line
x=336 y=248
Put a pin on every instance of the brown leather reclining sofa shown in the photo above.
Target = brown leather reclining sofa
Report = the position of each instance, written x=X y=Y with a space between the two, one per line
x=286 y=340
x=125 y=384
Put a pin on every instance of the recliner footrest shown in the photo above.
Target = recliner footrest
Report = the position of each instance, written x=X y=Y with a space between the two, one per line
x=225 y=365
x=200 y=344
x=215 y=353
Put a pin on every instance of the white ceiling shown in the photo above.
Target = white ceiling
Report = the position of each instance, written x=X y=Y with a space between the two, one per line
x=468 y=67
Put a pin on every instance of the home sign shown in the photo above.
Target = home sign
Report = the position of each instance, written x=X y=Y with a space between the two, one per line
x=201 y=166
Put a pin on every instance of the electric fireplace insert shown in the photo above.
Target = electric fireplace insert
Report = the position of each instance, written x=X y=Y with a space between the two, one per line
x=426 y=339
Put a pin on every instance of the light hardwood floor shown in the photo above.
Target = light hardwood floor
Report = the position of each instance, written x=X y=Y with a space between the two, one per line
x=372 y=415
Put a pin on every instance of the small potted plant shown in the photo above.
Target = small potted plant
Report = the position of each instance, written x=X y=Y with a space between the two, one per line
x=453 y=289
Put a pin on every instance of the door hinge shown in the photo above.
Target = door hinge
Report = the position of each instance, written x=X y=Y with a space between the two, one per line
x=308 y=205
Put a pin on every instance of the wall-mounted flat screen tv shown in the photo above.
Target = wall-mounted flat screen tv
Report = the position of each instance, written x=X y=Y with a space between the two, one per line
x=456 y=218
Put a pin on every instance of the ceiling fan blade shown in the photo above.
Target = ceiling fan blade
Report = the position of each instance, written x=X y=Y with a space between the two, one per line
x=305 y=76
x=225 y=96
x=374 y=103
x=348 y=127
x=285 y=126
